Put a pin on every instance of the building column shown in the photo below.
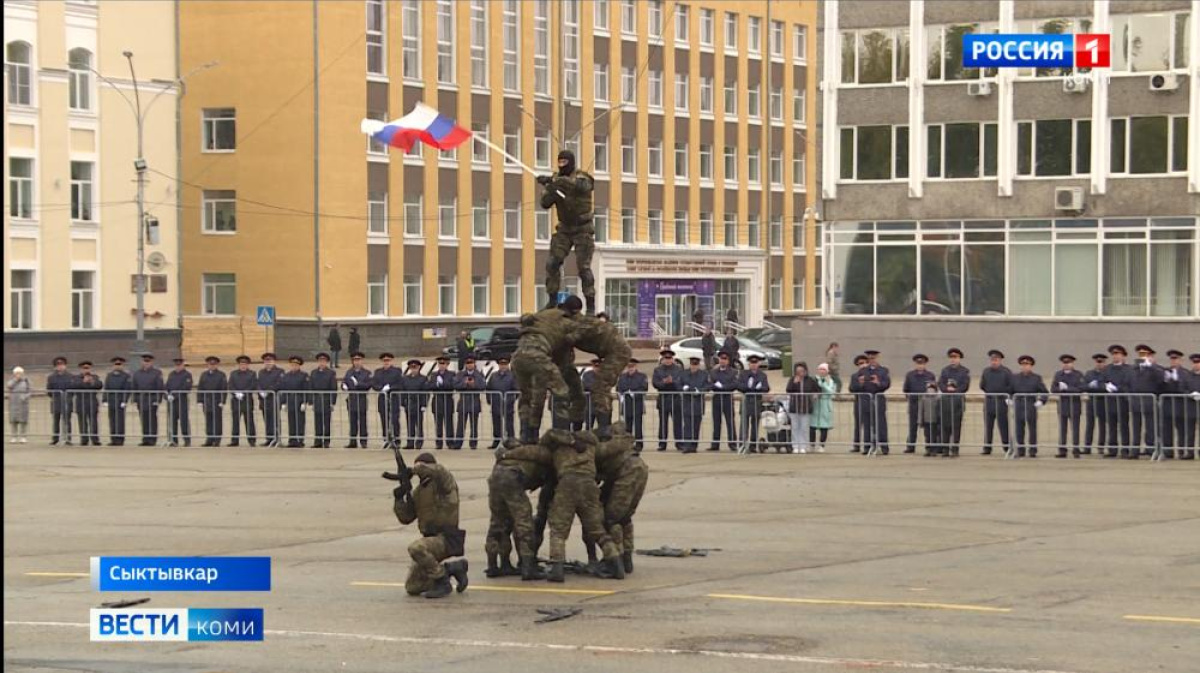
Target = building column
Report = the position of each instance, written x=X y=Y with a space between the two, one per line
x=830 y=70
x=1101 y=23
x=1006 y=131
x=1194 y=103
x=916 y=100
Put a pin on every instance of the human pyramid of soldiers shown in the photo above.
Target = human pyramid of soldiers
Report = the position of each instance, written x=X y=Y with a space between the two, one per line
x=596 y=476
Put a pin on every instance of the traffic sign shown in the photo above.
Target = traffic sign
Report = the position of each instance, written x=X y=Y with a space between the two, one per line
x=266 y=316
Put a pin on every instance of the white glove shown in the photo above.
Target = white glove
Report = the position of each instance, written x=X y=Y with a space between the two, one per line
x=1145 y=363
x=686 y=387
x=719 y=384
x=758 y=386
x=262 y=394
x=170 y=398
x=1008 y=402
x=199 y=402
x=239 y=395
x=1110 y=387
x=1094 y=384
x=345 y=387
x=1062 y=385
x=1038 y=404
x=122 y=405
x=1195 y=396
x=103 y=403
x=386 y=388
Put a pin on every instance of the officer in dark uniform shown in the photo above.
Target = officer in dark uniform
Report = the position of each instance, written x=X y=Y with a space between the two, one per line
x=179 y=388
x=755 y=385
x=148 y=384
x=1174 y=408
x=916 y=384
x=117 y=385
x=1191 y=418
x=632 y=386
x=733 y=346
x=1118 y=384
x=1096 y=425
x=413 y=400
x=860 y=361
x=1069 y=385
x=323 y=383
x=87 y=404
x=1029 y=395
x=951 y=422
x=243 y=383
x=996 y=382
x=871 y=382
x=1148 y=383
x=570 y=192
x=211 y=391
x=502 y=400
x=440 y=384
x=470 y=385
x=587 y=380
x=723 y=382
x=59 y=385
x=294 y=393
x=666 y=382
x=693 y=383
x=268 y=395
x=356 y=383
x=386 y=379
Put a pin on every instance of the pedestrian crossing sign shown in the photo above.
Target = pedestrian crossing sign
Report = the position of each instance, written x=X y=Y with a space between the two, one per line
x=266 y=316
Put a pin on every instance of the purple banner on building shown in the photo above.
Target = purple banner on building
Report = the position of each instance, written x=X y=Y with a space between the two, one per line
x=680 y=299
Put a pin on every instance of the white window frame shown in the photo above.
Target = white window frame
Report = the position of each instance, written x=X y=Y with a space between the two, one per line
x=377 y=213
x=410 y=40
x=681 y=161
x=775 y=104
x=541 y=226
x=628 y=85
x=512 y=295
x=936 y=35
x=23 y=301
x=854 y=156
x=654 y=89
x=448 y=212
x=775 y=168
x=83 y=193
x=775 y=232
x=654 y=153
x=541 y=149
x=754 y=166
x=1174 y=58
x=486 y=287
x=775 y=40
x=754 y=36
x=479 y=151
x=654 y=20
x=706 y=152
x=729 y=101
x=730 y=233
x=479 y=43
x=754 y=103
x=377 y=38
x=481 y=214
x=706 y=229
x=570 y=48
x=412 y=290
x=754 y=231
x=512 y=225
x=19 y=75
x=377 y=282
x=412 y=214
x=731 y=33
x=209 y=204
x=799 y=166
x=209 y=288
x=682 y=32
x=376 y=150
x=83 y=301
x=80 y=82
x=209 y=121
x=800 y=107
x=511 y=38
x=512 y=145
x=708 y=20
x=541 y=48
x=730 y=165
x=982 y=152
x=446 y=27
x=600 y=224
x=628 y=225
x=1126 y=120
x=707 y=87
x=447 y=283
x=628 y=19
x=600 y=10
x=800 y=44
x=600 y=156
x=21 y=190
x=682 y=235
x=1033 y=155
x=654 y=227
x=600 y=84
x=682 y=89
x=629 y=156
x=899 y=76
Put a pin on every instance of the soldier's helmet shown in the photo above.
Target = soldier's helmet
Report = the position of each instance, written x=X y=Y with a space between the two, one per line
x=572 y=305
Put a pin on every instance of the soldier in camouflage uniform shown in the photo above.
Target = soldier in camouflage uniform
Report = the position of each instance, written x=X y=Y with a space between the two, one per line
x=544 y=361
x=570 y=191
x=433 y=504
x=512 y=514
x=601 y=338
x=624 y=476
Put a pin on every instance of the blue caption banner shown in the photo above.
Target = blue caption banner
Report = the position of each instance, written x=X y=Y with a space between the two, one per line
x=176 y=624
x=181 y=573
x=1018 y=51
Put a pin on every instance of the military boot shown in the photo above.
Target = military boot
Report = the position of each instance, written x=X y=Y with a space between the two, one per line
x=603 y=427
x=441 y=587
x=627 y=561
x=458 y=570
x=591 y=305
x=528 y=434
x=556 y=572
x=612 y=569
x=493 y=568
x=530 y=569
x=591 y=552
x=507 y=569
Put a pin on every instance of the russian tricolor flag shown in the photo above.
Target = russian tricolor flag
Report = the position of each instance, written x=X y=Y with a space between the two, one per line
x=423 y=123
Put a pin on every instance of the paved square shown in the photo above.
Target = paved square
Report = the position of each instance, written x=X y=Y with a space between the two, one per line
x=828 y=563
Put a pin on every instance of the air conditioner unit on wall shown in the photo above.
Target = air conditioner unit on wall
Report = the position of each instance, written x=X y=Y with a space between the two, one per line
x=1077 y=84
x=1165 y=82
x=979 y=89
x=1068 y=198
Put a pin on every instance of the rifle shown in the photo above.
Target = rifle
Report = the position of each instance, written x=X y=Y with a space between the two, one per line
x=402 y=473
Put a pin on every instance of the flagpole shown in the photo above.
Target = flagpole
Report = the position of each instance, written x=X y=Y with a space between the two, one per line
x=511 y=158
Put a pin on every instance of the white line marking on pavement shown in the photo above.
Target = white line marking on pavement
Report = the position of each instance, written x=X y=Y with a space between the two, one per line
x=1154 y=618
x=603 y=649
x=48 y=574
x=869 y=604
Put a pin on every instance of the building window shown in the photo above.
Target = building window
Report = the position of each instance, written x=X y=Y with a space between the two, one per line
x=600 y=80
x=20 y=188
x=450 y=155
x=800 y=43
x=512 y=224
x=220 y=211
x=600 y=15
x=874 y=152
x=83 y=298
x=479 y=222
x=1050 y=147
x=754 y=166
x=220 y=130
x=446 y=219
x=775 y=103
x=512 y=145
x=706 y=229
x=375 y=147
x=681 y=24
x=706 y=95
x=412 y=294
x=377 y=294
x=445 y=41
x=18 y=68
x=681 y=92
x=707 y=19
x=512 y=42
x=799 y=107
x=681 y=227
x=654 y=158
x=753 y=102
x=753 y=235
x=541 y=150
x=877 y=56
x=1057 y=27
x=512 y=295
x=628 y=18
x=1148 y=145
x=570 y=48
x=600 y=223
x=446 y=287
x=1150 y=42
x=730 y=164
x=376 y=39
x=706 y=162
x=628 y=158
x=777 y=39
x=775 y=300
x=681 y=160
x=21 y=297
x=798 y=235
x=541 y=47
x=654 y=226
x=479 y=295
x=479 y=151
x=731 y=32
x=628 y=225
x=600 y=159
x=412 y=217
x=479 y=43
x=731 y=230
x=754 y=35
x=410 y=14
x=628 y=85
x=730 y=99
x=961 y=150
x=798 y=167
x=775 y=233
x=777 y=168
x=219 y=291
x=541 y=225
x=944 y=55
x=82 y=190
x=621 y=304
x=377 y=213
x=79 y=64
x=654 y=89
x=654 y=25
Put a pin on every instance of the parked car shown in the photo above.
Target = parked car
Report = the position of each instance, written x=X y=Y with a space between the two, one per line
x=491 y=342
x=779 y=339
x=690 y=348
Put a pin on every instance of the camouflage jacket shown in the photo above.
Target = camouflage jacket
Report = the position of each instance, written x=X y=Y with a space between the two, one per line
x=572 y=195
x=434 y=502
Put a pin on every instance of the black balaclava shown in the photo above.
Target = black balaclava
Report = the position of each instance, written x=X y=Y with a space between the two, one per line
x=570 y=167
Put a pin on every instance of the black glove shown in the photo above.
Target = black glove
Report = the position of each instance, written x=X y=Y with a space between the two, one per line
x=401 y=492
x=544 y=180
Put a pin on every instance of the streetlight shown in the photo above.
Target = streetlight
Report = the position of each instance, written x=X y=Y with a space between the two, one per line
x=139 y=166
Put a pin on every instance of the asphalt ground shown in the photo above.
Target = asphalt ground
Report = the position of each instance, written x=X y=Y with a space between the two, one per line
x=828 y=563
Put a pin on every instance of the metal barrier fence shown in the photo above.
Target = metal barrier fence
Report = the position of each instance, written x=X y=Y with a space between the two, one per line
x=1128 y=425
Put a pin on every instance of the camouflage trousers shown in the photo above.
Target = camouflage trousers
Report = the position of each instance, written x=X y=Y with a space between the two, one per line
x=538 y=374
x=427 y=554
x=511 y=513
x=621 y=499
x=578 y=495
x=583 y=239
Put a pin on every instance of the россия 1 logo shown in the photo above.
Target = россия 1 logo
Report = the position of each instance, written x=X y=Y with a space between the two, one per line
x=1086 y=50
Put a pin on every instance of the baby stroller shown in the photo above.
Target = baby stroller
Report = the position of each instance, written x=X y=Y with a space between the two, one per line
x=776 y=427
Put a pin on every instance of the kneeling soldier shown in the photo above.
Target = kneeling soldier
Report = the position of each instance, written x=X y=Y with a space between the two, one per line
x=433 y=504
